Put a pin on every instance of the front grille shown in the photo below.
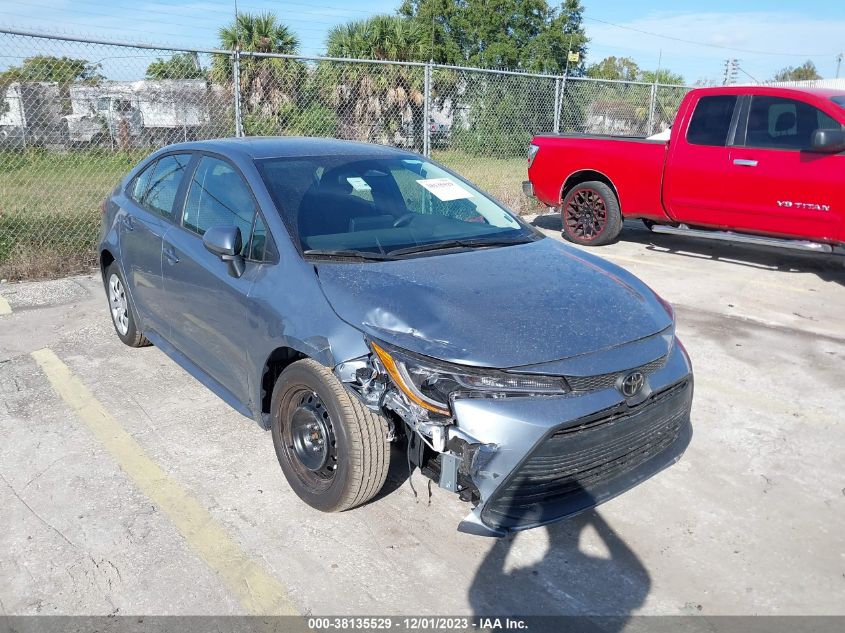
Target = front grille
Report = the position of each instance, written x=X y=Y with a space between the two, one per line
x=605 y=381
x=571 y=467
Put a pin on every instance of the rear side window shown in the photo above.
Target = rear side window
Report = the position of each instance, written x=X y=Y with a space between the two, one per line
x=156 y=187
x=711 y=121
x=778 y=123
x=218 y=196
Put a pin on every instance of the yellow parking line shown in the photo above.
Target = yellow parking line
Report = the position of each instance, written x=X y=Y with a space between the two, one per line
x=258 y=591
x=5 y=308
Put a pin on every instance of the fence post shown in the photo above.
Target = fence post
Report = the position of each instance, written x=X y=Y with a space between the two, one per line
x=236 y=90
x=652 y=105
x=427 y=111
x=557 y=105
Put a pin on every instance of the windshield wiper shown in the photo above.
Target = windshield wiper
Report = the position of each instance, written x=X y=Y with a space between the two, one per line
x=473 y=243
x=346 y=254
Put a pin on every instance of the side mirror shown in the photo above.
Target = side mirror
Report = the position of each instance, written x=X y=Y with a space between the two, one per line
x=829 y=141
x=226 y=243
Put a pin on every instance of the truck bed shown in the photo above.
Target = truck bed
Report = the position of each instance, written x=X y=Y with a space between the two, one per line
x=633 y=164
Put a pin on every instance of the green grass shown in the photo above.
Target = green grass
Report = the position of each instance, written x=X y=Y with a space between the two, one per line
x=50 y=208
x=50 y=202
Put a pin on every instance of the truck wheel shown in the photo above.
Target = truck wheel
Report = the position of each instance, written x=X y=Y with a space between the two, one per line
x=590 y=214
x=120 y=307
x=332 y=449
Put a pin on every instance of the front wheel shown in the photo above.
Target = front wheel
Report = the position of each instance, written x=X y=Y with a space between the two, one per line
x=332 y=449
x=590 y=214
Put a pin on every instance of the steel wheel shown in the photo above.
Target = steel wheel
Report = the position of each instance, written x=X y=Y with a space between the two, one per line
x=586 y=214
x=118 y=304
x=309 y=440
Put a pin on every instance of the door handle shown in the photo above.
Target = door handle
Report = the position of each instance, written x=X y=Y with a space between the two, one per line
x=744 y=162
x=170 y=255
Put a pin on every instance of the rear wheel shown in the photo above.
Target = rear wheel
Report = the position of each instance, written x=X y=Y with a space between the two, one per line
x=120 y=307
x=590 y=214
x=332 y=449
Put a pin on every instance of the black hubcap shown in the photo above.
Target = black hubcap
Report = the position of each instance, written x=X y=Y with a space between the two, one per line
x=586 y=214
x=310 y=436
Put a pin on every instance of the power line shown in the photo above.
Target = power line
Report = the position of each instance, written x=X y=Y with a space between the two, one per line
x=708 y=44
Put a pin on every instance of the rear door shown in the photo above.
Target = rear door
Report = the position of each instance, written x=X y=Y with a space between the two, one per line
x=147 y=217
x=777 y=184
x=207 y=308
x=698 y=160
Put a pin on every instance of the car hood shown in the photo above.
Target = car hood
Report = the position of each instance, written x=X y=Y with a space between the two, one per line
x=499 y=307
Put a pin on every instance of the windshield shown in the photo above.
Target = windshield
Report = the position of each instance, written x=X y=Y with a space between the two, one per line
x=356 y=204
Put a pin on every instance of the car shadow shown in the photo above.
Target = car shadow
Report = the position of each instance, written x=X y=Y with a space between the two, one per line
x=568 y=580
x=827 y=267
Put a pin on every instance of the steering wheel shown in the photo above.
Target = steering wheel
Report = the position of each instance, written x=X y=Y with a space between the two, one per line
x=404 y=220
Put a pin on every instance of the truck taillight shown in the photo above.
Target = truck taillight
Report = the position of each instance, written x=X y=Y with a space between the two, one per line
x=532 y=153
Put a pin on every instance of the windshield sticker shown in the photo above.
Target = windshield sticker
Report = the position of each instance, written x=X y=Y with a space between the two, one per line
x=358 y=184
x=445 y=189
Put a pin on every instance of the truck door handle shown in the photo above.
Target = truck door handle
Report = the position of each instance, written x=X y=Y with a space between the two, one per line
x=170 y=255
x=744 y=162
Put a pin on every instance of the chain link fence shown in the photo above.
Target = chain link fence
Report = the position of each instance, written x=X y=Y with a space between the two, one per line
x=76 y=115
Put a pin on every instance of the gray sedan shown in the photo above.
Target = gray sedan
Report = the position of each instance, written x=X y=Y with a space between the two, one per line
x=351 y=297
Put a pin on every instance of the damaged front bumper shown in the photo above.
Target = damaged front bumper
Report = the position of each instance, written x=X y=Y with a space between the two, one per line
x=530 y=461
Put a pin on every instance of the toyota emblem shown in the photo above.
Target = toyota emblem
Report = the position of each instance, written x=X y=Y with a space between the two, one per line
x=632 y=383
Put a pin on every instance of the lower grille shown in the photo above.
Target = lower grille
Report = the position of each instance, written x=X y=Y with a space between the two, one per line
x=570 y=468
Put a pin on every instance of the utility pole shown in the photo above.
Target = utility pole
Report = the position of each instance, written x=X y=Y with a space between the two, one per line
x=731 y=70
x=839 y=63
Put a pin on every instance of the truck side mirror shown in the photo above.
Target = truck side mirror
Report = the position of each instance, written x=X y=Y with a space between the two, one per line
x=226 y=243
x=829 y=141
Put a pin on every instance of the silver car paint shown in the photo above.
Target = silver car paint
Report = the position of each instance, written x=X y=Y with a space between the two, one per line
x=542 y=307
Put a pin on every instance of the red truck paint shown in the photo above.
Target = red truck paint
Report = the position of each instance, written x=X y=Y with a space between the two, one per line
x=789 y=193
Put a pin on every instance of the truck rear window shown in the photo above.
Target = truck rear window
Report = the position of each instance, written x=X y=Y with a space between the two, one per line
x=711 y=121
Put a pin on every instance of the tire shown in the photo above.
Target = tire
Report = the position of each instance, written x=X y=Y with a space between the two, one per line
x=122 y=313
x=590 y=214
x=332 y=449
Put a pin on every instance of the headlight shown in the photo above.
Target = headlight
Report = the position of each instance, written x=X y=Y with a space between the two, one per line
x=430 y=383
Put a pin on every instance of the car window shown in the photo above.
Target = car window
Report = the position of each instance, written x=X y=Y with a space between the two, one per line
x=381 y=204
x=218 y=196
x=159 y=191
x=261 y=247
x=778 y=123
x=142 y=183
x=711 y=121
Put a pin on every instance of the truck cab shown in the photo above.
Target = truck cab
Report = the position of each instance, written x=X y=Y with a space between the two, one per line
x=743 y=163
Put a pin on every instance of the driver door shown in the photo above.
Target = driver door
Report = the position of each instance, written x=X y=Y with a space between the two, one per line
x=208 y=307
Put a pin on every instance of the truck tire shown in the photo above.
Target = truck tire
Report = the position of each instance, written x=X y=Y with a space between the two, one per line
x=120 y=307
x=332 y=449
x=590 y=214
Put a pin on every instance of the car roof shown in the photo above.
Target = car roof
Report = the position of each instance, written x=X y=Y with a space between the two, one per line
x=769 y=89
x=258 y=147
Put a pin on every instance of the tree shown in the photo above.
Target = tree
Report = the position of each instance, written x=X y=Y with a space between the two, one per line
x=62 y=70
x=526 y=34
x=619 y=68
x=372 y=100
x=805 y=72
x=269 y=85
x=179 y=66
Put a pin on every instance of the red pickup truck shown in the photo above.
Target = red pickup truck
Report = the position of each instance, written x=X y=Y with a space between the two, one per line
x=751 y=164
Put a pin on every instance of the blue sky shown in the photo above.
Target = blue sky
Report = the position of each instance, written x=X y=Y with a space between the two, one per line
x=764 y=36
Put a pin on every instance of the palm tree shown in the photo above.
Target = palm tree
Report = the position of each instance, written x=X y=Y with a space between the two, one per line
x=373 y=100
x=269 y=85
